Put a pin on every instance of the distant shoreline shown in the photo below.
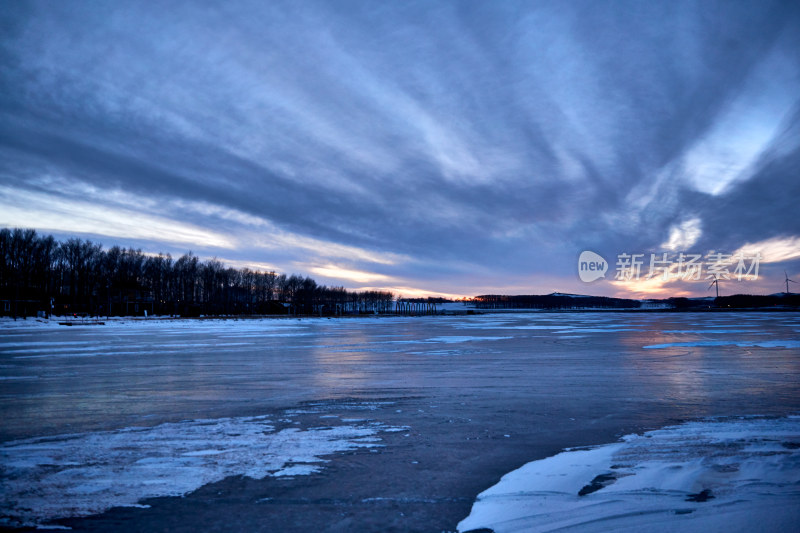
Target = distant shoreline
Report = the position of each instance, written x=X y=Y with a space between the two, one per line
x=95 y=320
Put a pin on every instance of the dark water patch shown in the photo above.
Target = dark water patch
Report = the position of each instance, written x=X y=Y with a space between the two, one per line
x=702 y=496
x=599 y=482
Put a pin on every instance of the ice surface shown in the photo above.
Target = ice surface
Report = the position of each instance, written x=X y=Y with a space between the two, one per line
x=528 y=367
x=82 y=474
x=742 y=344
x=456 y=339
x=713 y=475
x=713 y=329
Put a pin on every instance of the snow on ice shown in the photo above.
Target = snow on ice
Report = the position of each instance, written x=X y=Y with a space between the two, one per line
x=715 y=475
x=83 y=474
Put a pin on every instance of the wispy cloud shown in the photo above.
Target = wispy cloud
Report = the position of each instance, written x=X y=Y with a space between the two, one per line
x=53 y=213
x=339 y=273
x=405 y=139
x=774 y=250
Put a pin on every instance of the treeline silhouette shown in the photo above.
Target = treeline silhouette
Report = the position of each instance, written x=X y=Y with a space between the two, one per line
x=41 y=275
x=551 y=301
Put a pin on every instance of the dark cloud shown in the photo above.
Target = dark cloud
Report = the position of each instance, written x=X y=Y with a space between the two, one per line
x=422 y=141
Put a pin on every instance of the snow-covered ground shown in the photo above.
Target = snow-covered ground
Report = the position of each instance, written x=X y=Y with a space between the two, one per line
x=715 y=475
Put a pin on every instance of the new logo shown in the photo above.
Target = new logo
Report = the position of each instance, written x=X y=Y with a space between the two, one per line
x=591 y=266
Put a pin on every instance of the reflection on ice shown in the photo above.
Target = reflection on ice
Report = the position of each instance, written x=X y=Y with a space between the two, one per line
x=740 y=343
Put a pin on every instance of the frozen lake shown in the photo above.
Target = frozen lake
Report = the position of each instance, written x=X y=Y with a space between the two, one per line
x=371 y=423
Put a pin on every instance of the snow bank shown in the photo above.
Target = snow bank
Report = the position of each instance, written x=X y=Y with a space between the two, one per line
x=716 y=475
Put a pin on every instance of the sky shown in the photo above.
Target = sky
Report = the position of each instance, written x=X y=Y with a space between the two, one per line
x=429 y=148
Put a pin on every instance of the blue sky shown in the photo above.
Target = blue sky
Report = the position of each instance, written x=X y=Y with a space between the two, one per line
x=426 y=147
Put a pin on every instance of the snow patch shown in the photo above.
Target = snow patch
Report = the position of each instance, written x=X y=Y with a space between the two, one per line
x=713 y=475
x=45 y=478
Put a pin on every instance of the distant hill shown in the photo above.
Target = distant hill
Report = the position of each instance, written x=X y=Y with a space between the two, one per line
x=558 y=300
x=757 y=300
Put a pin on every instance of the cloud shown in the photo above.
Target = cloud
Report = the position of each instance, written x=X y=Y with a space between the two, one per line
x=359 y=276
x=426 y=141
x=775 y=250
x=731 y=150
x=57 y=214
x=683 y=236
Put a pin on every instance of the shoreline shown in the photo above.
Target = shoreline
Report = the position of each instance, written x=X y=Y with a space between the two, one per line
x=93 y=320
